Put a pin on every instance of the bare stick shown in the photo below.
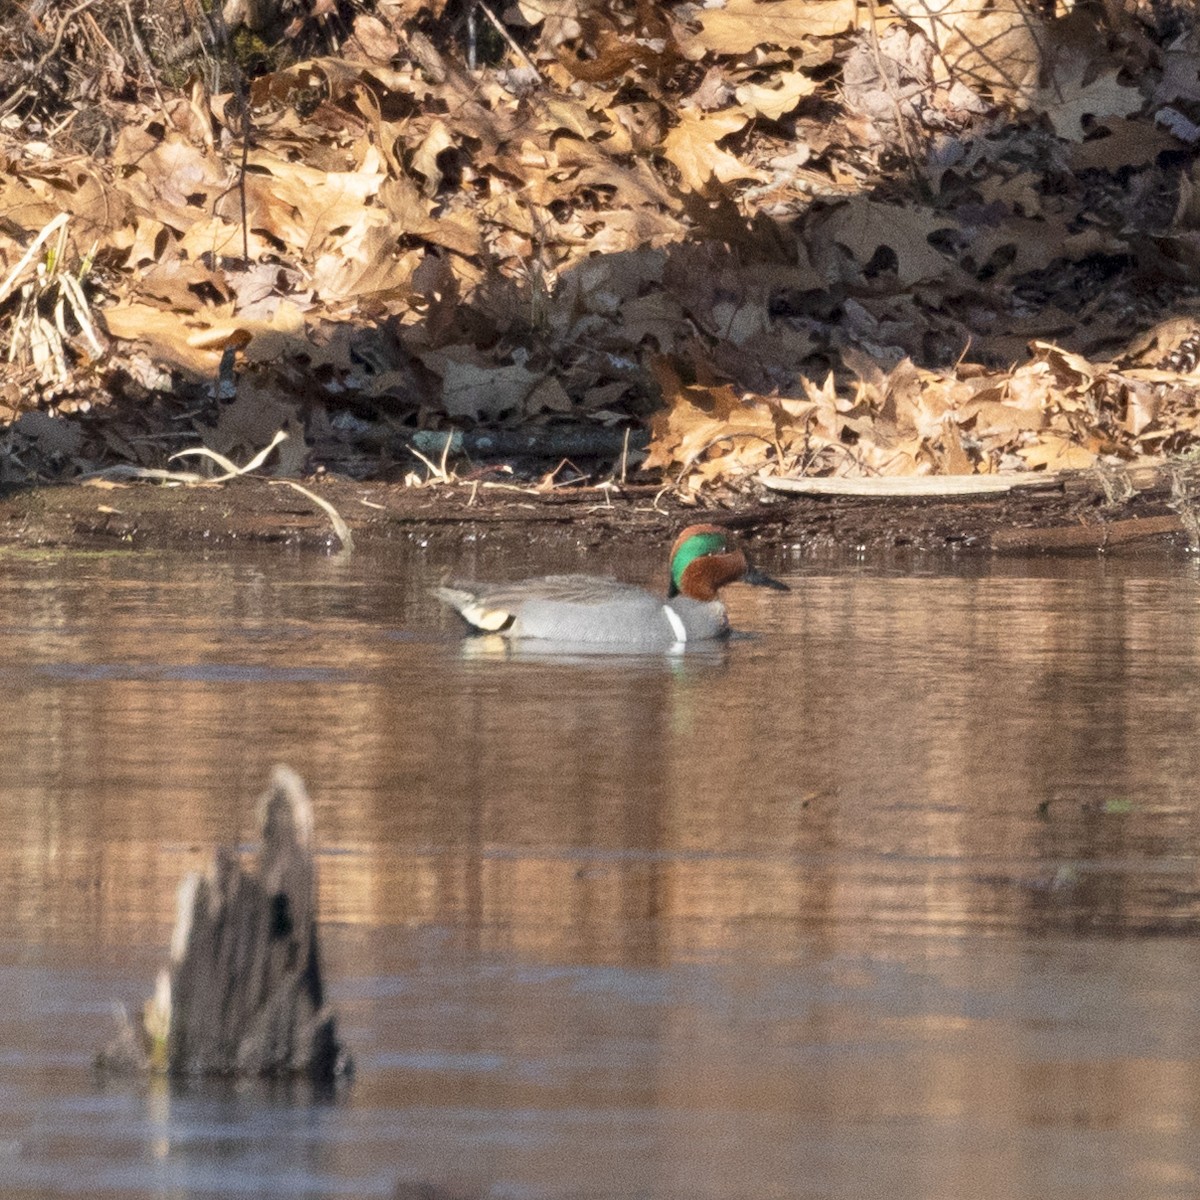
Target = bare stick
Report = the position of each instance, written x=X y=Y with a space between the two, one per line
x=512 y=45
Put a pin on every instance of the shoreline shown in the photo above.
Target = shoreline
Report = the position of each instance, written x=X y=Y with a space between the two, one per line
x=1087 y=511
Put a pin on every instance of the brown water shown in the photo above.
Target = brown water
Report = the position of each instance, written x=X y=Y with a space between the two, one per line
x=897 y=898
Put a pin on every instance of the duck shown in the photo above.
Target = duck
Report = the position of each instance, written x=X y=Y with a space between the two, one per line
x=596 y=610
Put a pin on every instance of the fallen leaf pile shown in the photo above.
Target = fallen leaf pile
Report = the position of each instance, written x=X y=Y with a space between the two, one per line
x=792 y=236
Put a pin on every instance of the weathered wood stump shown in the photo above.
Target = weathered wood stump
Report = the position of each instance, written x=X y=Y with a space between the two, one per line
x=242 y=994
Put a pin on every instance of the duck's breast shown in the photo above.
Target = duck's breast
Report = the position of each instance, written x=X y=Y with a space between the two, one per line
x=702 y=620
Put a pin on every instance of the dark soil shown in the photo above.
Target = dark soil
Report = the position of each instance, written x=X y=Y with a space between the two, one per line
x=1080 y=516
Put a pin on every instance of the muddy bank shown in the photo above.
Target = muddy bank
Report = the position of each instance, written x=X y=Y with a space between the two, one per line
x=1087 y=512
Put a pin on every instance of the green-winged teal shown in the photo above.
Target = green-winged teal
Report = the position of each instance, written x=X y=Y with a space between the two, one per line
x=588 y=609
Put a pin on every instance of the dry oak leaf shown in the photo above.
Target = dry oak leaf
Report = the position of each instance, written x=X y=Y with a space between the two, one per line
x=988 y=417
x=1143 y=403
x=365 y=265
x=1123 y=143
x=176 y=182
x=633 y=184
x=412 y=214
x=1056 y=454
x=620 y=230
x=1019 y=245
x=692 y=147
x=249 y=421
x=182 y=287
x=863 y=226
x=424 y=160
x=1033 y=385
x=1077 y=385
x=24 y=207
x=146 y=242
x=773 y=101
x=560 y=18
x=658 y=316
x=712 y=423
x=311 y=210
x=561 y=112
x=34 y=200
x=995 y=46
x=373 y=40
x=745 y=25
x=212 y=239
x=194 y=342
x=549 y=396
x=472 y=390
x=1180 y=71
x=1067 y=99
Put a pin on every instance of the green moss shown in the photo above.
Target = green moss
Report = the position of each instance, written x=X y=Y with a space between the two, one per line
x=252 y=54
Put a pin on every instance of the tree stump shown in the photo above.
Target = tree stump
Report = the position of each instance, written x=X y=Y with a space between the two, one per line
x=242 y=994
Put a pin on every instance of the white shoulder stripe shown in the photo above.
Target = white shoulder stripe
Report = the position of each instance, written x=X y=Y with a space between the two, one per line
x=676 y=622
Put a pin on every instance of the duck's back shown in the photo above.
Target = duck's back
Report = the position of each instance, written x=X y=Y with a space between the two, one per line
x=582 y=608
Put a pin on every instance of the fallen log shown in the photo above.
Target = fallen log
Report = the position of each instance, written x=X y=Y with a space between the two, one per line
x=242 y=994
x=942 y=487
x=549 y=441
x=904 y=487
x=1098 y=535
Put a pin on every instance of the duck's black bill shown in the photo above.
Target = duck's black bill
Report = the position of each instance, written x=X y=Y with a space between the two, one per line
x=756 y=577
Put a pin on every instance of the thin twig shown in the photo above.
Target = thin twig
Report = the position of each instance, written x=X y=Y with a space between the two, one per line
x=910 y=158
x=40 y=65
x=340 y=528
x=11 y=280
x=512 y=45
x=147 y=64
x=435 y=471
x=237 y=82
x=153 y=474
x=231 y=469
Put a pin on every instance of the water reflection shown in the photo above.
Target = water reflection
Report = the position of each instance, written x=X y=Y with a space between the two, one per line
x=681 y=656
x=873 y=902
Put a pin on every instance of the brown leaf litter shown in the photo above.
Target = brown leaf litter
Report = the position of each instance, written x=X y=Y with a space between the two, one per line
x=792 y=237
